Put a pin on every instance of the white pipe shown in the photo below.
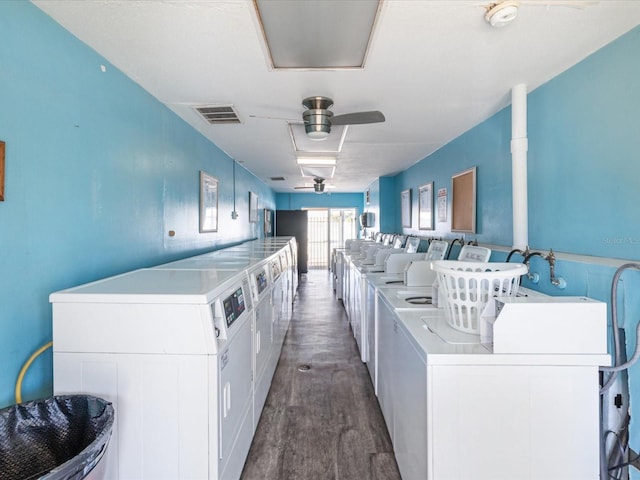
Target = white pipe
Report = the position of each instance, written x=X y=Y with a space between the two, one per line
x=519 y=147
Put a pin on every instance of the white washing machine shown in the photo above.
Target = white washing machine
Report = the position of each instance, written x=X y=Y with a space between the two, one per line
x=172 y=350
x=457 y=408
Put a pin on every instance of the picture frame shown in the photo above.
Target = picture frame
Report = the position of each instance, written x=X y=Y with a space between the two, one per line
x=463 y=201
x=425 y=207
x=405 y=207
x=2 y=150
x=253 y=207
x=208 y=203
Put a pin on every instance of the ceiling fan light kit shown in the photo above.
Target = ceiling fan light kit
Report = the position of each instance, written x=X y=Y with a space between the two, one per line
x=317 y=123
x=501 y=14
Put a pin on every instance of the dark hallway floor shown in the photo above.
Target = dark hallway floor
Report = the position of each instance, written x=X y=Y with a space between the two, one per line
x=323 y=423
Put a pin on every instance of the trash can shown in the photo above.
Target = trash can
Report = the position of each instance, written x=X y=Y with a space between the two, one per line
x=56 y=438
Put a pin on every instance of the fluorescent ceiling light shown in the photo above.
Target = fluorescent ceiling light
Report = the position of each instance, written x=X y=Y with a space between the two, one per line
x=317 y=161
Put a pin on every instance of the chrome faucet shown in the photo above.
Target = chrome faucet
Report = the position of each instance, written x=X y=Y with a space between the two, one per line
x=555 y=281
x=534 y=277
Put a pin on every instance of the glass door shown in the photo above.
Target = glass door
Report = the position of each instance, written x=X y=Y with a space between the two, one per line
x=328 y=229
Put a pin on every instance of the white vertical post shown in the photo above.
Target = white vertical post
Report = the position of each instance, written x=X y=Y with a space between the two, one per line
x=519 y=147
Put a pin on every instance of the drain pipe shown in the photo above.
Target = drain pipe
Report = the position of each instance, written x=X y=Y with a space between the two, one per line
x=519 y=147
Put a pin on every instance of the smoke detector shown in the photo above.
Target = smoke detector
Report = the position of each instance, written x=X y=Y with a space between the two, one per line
x=501 y=14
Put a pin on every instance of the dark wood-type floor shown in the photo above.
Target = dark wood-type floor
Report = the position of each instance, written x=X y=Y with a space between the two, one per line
x=324 y=423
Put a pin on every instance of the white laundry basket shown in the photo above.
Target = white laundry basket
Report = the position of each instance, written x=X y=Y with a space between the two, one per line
x=468 y=286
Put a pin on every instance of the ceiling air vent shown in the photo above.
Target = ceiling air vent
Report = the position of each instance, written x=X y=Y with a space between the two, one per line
x=278 y=179
x=218 y=114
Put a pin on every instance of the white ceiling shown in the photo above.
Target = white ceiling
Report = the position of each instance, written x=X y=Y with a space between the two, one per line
x=434 y=68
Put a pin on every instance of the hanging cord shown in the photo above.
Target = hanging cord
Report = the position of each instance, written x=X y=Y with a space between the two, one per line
x=617 y=363
x=618 y=366
x=25 y=367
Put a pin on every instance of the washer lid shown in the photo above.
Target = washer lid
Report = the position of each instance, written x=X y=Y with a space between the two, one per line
x=153 y=286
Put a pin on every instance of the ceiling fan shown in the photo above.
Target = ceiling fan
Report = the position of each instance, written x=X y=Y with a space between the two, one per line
x=318 y=185
x=318 y=119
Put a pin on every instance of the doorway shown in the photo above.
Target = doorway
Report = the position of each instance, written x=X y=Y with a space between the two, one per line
x=328 y=228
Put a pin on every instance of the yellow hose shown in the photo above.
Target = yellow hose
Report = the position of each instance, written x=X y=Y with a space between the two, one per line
x=25 y=367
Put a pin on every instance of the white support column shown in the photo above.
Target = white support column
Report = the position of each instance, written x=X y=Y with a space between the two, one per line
x=519 y=147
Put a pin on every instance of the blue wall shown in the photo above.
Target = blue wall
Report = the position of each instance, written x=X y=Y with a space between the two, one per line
x=582 y=164
x=486 y=147
x=584 y=171
x=97 y=173
x=382 y=204
x=584 y=152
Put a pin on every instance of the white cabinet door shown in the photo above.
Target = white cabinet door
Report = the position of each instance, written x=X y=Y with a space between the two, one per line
x=356 y=319
x=386 y=341
x=370 y=330
x=410 y=408
x=504 y=422
x=263 y=349
x=263 y=339
x=236 y=389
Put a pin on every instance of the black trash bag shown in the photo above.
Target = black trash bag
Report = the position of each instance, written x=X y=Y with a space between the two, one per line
x=56 y=438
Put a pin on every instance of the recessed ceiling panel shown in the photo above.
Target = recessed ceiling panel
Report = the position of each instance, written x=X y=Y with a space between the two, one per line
x=317 y=171
x=317 y=34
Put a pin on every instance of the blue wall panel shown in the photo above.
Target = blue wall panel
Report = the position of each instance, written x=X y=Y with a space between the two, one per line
x=97 y=173
x=389 y=204
x=583 y=155
x=486 y=147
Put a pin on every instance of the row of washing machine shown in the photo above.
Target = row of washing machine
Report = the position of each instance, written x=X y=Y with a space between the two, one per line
x=522 y=403
x=185 y=351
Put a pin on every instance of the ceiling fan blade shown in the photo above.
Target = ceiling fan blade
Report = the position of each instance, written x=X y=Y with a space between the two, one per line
x=301 y=188
x=358 y=118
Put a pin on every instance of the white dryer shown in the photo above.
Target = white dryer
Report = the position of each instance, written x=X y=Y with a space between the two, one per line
x=265 y=353
x=172 y=350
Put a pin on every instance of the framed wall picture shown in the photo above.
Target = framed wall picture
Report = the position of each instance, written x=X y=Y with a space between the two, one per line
x=405 y=205
x=463 y=201
x=208 y=203
x=253 y=207
x=425 y=207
